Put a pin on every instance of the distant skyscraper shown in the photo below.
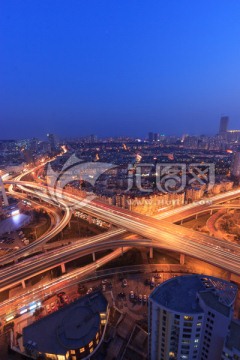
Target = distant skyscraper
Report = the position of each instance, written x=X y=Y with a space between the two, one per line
x=93 y=138
x=156 y=137
x=235 y=166
x=53 y=141
x=223 y=125
x=150 y=136
x=189 y=318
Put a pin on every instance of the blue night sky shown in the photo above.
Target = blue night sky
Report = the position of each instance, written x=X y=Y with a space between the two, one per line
x=118 y=67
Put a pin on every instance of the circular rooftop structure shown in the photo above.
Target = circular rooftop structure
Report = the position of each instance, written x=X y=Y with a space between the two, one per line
x=78 y=327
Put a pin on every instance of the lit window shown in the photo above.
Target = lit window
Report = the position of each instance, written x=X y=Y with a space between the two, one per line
x=72 y=352
x=199 y=324
x=82 y=350
x=90 y=344
x=91 y=350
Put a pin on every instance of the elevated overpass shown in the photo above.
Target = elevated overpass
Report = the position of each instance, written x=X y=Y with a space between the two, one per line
x=161 y=232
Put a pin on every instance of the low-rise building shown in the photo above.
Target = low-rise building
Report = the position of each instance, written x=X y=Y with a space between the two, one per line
x=71 y=333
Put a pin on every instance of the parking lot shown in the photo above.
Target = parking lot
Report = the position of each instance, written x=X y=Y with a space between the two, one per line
x=129 y=293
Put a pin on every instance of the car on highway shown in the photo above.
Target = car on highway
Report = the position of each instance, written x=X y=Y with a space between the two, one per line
x=144 y=298
x=140 y=297
x=89 y=291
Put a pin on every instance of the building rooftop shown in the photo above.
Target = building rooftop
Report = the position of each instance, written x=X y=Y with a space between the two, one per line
x=233 y=340
x=72 y=327
x=212 y=301
x=181 y=293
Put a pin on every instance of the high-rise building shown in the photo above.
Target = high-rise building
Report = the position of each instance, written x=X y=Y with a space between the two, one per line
x=223 y=125
x=189 y=318
x=53 y=141
x=93 y=138
x=231 y=350
x=150 y=136
x=235 y=166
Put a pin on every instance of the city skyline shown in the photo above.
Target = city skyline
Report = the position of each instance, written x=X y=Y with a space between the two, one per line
x=144 y=136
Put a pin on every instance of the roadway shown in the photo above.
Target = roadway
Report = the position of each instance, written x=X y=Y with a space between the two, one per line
x=162 y=232
x=185 y=211
x=23 y=299
x=41 y=263
x=59 y=225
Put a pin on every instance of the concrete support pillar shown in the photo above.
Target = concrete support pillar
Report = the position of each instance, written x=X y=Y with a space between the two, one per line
x=228 y=275
x=93 y=256
x=181 y=222
x=211 y=211
x=122 y=251
x=23 y=284
x=63 y=268
x=151 y=253
x=196 y=216
x=182 y=259
x=90 y=220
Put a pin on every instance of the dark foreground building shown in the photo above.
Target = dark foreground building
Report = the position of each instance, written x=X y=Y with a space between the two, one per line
x=72 y=333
